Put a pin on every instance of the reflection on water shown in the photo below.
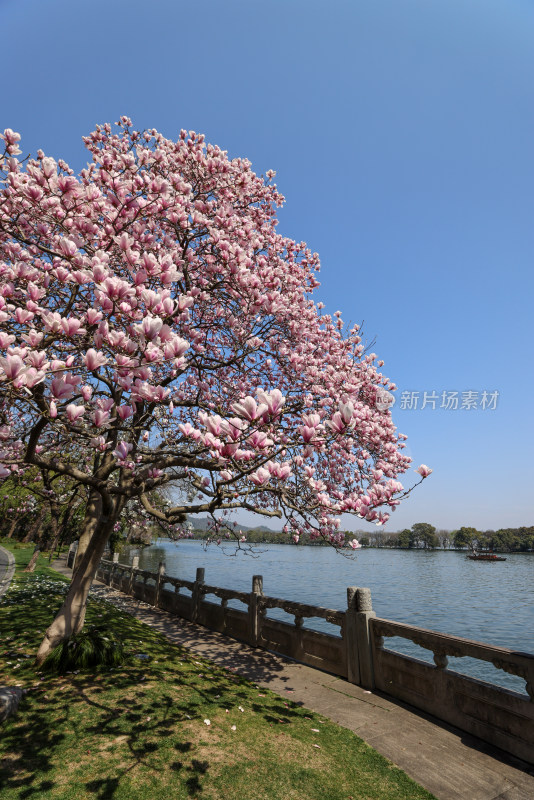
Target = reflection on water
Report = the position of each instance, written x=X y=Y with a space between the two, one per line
x=443 y=591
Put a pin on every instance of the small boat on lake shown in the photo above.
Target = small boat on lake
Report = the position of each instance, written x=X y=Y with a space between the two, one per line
x=485 y=556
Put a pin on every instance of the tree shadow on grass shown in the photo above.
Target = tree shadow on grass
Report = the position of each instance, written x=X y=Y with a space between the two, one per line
x=143 y=707
x=45 y=734
x=195 y=770
x=103 y=787
x=69 y=726
x=28 y=746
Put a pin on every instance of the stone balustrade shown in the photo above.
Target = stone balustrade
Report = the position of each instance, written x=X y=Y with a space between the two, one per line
x=496 y=715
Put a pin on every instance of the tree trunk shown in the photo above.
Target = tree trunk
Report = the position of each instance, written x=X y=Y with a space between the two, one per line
x=71 y=616
x=14 y=523
x=58 y=539
x=33 y=560
x=62 y=527
x=93 y=512
x=35 y=527
x=55 y=527
x=59 y=535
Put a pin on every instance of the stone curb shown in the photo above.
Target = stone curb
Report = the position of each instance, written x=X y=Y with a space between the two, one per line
x=10 y=697
x=7 y=577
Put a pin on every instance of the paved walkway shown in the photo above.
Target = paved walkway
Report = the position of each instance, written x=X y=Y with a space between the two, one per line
x=449 y=763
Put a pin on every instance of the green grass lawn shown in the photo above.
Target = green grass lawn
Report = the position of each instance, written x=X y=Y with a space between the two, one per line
x=140 y=732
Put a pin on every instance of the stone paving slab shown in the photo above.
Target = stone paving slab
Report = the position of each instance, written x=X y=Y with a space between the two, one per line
x=451 y=764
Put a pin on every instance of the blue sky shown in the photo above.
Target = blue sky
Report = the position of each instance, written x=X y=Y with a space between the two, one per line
x=401 y=132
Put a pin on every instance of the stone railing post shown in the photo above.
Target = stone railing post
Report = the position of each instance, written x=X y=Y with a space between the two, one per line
x=197 y=593
x=358 y=641
x=254 y=615
x=115 y=558
x=134 y=567
x=112 y=571
x=71 y=555
x=364 y=612
x=159 y=582
x=351 y=640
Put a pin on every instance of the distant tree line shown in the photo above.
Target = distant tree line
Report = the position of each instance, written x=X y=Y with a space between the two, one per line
x=422 y=535
x=266 y=536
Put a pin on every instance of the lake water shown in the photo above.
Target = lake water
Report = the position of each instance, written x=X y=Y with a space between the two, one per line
x=440 y=590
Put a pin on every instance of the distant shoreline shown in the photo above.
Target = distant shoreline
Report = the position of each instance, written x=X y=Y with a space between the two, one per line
x=466 y=551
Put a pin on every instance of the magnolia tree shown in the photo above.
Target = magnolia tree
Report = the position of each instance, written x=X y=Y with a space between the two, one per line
x=155 y=327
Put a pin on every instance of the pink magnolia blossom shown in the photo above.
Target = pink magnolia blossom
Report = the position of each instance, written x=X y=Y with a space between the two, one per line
x=150 y=327
x=122 y=450
x=33 y=337
x=52 y=321
x=100 y=417
x=280 y=471
x=68 y=247
x=259 y=440
x=311 y=420
x=93 y=316
x=32 y=377
x=307 y=433
x=188 y=430
x=116 y=289
x=10 y=136
x=423 y=471
x=94 y=360
x=37 y=359
x=124 y=412
x=248 y=408
x=213 y=424
x=5 y=433
x=99 y=443
x=74 y=412
x=61 y=388
x=184 y=302
x=176 y=347
x=22 y=315
x=273 y=400
x=260 y=477
x=11 y=366
x=337 y=424
x=72 y=326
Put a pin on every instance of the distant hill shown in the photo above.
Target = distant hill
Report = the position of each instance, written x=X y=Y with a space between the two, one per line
x=203 y=523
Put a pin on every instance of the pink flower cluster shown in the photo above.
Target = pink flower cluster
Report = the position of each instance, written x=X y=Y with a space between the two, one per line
x=153 y=321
